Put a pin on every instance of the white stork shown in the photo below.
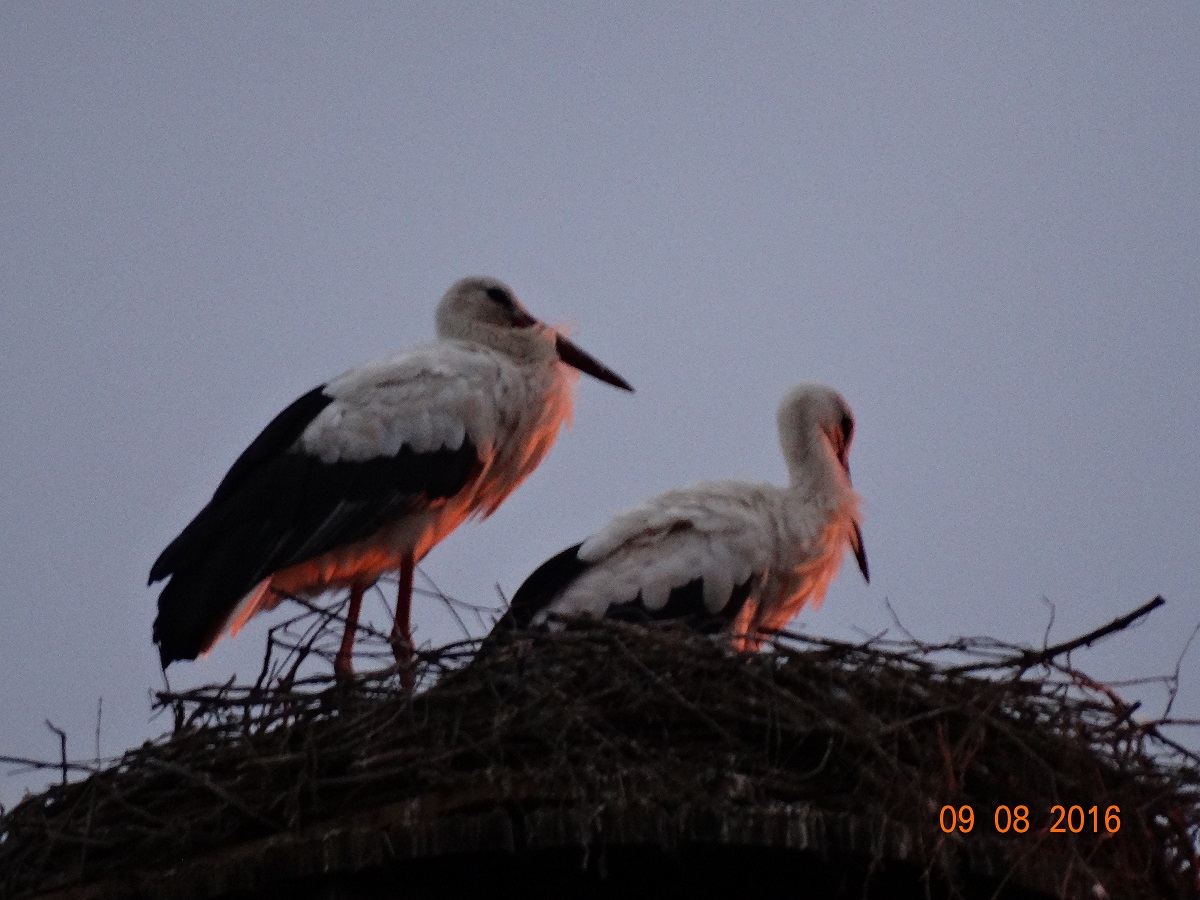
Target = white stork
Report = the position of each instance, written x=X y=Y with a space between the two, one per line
x=365 y=474
x=737 y=555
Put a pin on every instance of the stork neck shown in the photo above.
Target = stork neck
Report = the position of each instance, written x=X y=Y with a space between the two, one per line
x=811 y=463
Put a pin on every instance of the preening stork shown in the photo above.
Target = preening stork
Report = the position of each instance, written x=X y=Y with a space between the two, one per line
x=732 y=555
x=362 y=476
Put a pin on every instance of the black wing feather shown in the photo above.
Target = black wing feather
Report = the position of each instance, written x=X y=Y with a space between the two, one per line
x=272 y=442
x=543 y=585
x=556 y=574
x=279 y=507
x=686 y=603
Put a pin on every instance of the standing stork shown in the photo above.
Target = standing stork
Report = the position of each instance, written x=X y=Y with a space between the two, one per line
x=365 y=474
x=735 y=555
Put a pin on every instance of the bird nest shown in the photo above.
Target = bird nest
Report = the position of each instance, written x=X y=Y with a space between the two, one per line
x=953 y=759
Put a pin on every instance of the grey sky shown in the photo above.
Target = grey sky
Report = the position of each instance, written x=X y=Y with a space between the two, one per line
x=978 y=221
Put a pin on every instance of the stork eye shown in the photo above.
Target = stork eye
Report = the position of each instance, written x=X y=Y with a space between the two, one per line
x=501 y=296
x=847 y=428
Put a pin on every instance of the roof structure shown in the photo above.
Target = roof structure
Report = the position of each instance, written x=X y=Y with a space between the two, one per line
x=614 y=759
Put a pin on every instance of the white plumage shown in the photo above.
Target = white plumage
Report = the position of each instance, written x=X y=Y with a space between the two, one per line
x=739 y=555
x=362 y=476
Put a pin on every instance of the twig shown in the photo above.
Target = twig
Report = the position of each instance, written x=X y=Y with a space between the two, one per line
x=62 y=746
x=99 y=717
x=1049 y=623
x=1173 y=690
x=1028 y=659
x=57 y=765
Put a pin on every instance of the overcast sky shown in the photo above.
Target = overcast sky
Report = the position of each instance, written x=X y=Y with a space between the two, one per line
x=979 y=221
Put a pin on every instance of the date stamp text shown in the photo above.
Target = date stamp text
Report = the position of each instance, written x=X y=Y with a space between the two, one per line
x=1017 y=819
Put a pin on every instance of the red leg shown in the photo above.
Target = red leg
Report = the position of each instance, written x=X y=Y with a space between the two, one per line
x=402 y=643
x=343 y=663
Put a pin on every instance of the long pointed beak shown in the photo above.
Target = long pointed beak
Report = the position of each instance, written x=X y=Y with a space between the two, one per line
x=860 y=553
x=572 y=355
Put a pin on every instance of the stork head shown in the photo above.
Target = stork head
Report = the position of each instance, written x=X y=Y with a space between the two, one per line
x=814 y=417
x=816 y=427
x=486 y=311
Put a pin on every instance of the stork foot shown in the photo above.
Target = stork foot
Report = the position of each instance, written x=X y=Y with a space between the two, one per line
x=405 y=654
x=401 y=637
x=343 y=668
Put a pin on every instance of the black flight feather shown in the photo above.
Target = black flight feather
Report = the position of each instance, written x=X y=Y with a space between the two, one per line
x=282 y=432
x=543 y=586
x=686 y=603
x=278 y=507
x=548 y=582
